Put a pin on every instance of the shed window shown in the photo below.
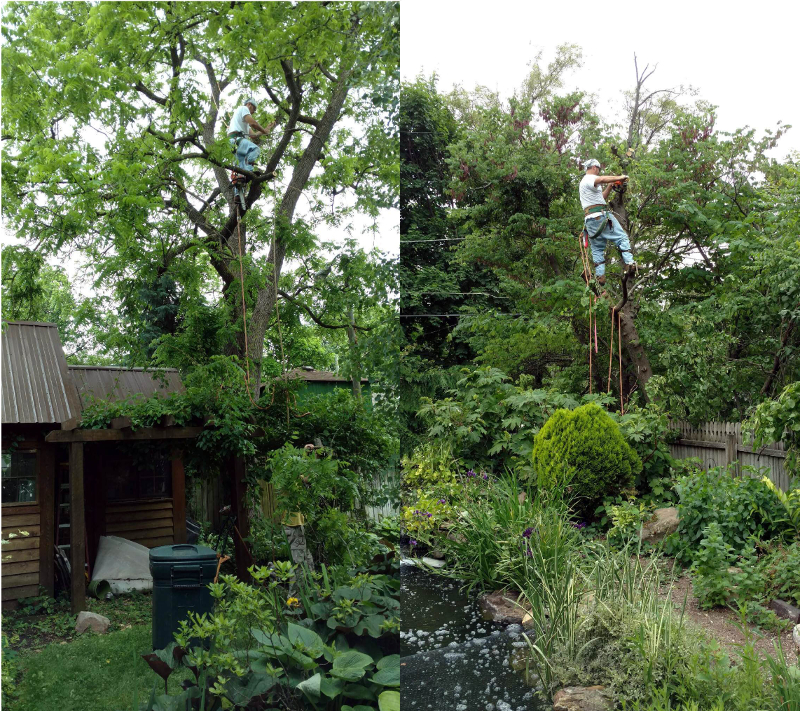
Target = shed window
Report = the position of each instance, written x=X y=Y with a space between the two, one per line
x=138 y=478
x=19 y=476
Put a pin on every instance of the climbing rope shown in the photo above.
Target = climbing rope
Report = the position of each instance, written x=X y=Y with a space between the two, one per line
x=619 y=342
x=244 y=316
x=585 y=262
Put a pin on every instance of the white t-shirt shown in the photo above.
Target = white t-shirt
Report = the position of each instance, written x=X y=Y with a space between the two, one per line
x=591 y=195
x=238 y=123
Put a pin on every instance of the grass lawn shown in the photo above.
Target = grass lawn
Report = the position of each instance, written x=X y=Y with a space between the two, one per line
x=56 y=669
x=91 y=673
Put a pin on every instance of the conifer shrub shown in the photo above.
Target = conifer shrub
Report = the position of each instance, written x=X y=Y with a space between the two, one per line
x=583 y=449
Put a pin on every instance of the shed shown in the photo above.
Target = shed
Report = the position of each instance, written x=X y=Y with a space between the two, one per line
x=65 y=487
x=322 y=382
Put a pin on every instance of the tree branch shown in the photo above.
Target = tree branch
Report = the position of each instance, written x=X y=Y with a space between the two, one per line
x=317 y=319
x=150 y=94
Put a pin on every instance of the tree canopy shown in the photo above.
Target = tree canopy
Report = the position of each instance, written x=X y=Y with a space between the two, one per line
x=115 y=148
x=709 y=327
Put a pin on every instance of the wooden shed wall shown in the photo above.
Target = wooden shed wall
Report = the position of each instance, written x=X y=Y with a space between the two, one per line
x=149 y=522
x=20 y=565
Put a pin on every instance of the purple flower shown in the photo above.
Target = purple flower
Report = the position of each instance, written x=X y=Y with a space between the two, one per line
x=527 y=533
x=429 y=515
x=442 y=501
x=471 y=473
x=413 y=541
x=485 y=475
x=528 y=552
x=580 y=525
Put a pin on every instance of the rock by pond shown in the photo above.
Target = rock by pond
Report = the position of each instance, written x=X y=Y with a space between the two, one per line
x=500 y=606
x=451 y=658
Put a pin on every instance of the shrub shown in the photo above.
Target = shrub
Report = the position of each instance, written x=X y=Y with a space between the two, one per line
x=584 y=449
x=744 y=508
x=782 y=569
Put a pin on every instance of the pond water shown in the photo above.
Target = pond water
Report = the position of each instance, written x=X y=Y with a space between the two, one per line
x=451 y=659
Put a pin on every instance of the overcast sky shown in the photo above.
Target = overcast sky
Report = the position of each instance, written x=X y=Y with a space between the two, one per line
x=742 y=57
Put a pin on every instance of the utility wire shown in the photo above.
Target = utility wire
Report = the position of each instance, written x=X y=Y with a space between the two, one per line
x=459 y=315
x=444 y=239
x=452 y=293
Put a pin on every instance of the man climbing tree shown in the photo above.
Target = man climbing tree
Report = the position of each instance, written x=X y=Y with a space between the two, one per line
x=242 y=127
x=599 y=222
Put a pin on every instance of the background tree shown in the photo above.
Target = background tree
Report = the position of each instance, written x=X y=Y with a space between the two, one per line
x=708 y=326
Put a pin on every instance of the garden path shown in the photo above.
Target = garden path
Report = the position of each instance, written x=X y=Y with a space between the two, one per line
x=722 y=624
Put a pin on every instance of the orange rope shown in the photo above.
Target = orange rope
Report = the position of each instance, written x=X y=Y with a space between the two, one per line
x=586 y=277
x=244 y=311
x=611 y=350
x=619 y=341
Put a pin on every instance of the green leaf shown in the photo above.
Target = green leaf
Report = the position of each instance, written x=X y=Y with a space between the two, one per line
x=389 y=701
x=331 y=687
x=311 y=687
x=310 y=640
x=358 y=691
x=241 y=693
x=351 y=665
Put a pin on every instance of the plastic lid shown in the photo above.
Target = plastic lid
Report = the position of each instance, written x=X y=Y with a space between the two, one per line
x=181 y=553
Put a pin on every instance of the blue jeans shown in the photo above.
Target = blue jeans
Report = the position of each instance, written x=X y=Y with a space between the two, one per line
x=612 y=233
x=246 y=152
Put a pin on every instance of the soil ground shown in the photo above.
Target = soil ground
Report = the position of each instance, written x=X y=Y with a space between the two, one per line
x=723 y=625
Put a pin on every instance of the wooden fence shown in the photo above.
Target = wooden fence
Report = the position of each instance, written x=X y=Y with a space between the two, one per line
x=720 y=444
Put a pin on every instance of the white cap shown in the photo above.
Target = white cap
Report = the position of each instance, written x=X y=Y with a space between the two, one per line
x=251 y=100
x=591 y=163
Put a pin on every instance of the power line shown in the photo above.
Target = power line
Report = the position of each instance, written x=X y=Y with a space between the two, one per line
x=452 y=293
x=458 y=315
x=444 y=239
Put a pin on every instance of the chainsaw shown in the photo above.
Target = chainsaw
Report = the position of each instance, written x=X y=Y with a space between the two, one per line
x=619 y=186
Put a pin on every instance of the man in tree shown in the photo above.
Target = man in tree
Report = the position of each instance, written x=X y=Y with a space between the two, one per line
x=601 y=225
x=241 y=128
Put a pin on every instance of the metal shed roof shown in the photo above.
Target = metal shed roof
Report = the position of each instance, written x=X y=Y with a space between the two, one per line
x=112 y=383
x=37 y=386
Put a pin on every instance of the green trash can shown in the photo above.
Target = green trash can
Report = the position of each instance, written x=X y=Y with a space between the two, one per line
x=181 y=574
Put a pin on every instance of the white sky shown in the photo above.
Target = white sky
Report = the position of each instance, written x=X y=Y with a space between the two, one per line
x=742 y=57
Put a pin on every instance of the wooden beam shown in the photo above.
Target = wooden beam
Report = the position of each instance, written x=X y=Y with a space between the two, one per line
x=47 y=500
x=178 y=497
x=71 y=423
x=146 y=433
x=765 y=451
x=120 y=423
x=701 y=443
x=77 y=531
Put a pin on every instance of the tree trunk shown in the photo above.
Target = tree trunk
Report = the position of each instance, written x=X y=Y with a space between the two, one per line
x=355 y=361
x=636 y=353
x=267 y=297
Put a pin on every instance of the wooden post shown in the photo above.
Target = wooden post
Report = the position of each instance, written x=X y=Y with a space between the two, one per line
x=47 y=510
x=77 y=530
x=178 y=497
x=732 y=452
x=239 y=509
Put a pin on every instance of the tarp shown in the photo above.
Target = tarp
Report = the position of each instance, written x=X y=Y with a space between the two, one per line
x=124 y=564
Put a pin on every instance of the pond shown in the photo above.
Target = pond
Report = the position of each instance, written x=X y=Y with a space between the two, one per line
x=453 y=660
